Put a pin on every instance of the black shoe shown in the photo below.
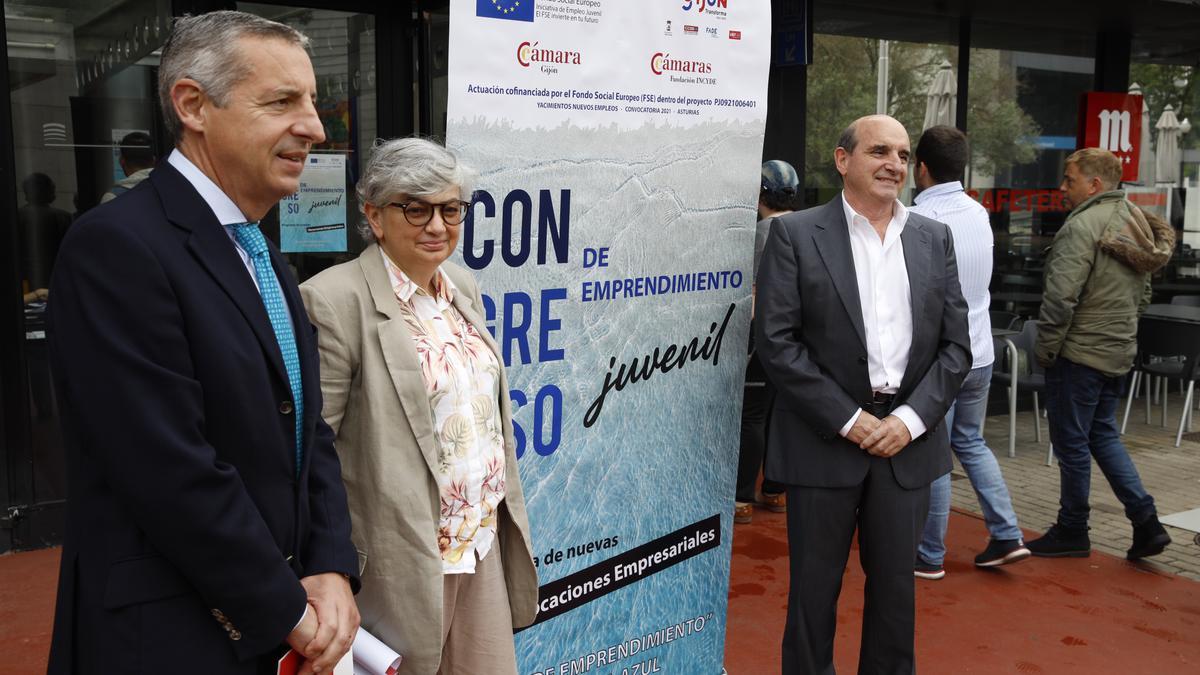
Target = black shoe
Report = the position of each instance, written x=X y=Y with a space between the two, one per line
x=924 y=570
x=1002 y=552
x=1149 y=538
x=1059 y=542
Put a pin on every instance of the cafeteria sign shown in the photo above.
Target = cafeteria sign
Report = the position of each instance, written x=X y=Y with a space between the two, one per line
x=1113 y=122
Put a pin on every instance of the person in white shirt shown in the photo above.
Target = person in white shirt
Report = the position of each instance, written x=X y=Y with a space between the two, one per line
x=942 y=154
x=861 y=325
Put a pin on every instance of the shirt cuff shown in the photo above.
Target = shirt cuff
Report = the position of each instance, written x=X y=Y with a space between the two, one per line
x=301 y=617
x=850 y=425
x=909 y=416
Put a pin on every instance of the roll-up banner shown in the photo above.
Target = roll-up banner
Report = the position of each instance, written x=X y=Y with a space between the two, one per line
x=618 y=146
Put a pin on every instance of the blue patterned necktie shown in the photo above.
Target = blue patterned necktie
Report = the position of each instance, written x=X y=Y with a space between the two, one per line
x=251 y=239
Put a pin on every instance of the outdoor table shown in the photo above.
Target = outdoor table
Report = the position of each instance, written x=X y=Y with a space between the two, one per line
x=1017 y=297
x=1177 y=287
x=1181 y=313
x=1188 y=319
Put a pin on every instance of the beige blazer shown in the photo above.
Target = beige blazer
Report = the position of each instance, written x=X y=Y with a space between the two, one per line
x=376 y=403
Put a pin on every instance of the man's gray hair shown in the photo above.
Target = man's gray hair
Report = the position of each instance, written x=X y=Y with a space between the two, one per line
x=206 y=49
x=410 y=167
x=849 y=138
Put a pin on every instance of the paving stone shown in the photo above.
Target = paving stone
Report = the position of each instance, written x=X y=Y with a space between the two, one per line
x=1170 y=474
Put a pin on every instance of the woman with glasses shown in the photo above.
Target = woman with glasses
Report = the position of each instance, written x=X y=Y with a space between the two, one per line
x=415 y=390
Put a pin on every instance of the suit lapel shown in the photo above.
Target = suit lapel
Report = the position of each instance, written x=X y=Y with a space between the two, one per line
x=915 y=241
x=832 y=238
x=212 y=247
x=400 y=354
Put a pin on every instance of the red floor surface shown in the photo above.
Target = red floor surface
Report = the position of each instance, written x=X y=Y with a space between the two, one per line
x=1078 y=615
x=1093 y=615
x=27 y=588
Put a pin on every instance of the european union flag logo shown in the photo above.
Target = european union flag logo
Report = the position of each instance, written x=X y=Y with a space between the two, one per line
x=514 y=10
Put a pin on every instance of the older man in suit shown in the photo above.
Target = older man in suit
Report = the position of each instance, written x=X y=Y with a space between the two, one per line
x=862 y=328
x=207 y=524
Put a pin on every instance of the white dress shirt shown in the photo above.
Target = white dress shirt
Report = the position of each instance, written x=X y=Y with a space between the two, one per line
x=886 y=301
x=222 y=206
x=973 y=244
x=227 y=213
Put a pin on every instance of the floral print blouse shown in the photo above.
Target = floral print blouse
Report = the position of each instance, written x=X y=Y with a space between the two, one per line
x=462 y=379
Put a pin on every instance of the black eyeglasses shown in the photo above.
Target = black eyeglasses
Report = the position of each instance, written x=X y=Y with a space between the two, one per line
x=419 y=213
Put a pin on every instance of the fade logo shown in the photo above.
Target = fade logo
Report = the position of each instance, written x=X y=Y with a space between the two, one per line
x=513 y=10
x=548 y=60
x=711 y=31
x=715 y=8
x=1114 y=131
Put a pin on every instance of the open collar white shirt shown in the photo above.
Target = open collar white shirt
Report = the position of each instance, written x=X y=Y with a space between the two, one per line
x=886 y=302
x=973 y=244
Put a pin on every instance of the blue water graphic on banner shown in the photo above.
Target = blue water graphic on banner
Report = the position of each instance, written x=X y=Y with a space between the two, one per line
x=612 y=236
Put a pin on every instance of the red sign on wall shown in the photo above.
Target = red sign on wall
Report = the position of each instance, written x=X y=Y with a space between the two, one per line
x=1113 y=122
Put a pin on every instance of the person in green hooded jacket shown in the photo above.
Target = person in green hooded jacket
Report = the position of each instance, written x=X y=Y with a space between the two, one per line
x=1097 y=284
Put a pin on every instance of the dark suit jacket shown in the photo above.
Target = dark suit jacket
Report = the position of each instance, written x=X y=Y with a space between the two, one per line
x=812 y=344
x=187 y=526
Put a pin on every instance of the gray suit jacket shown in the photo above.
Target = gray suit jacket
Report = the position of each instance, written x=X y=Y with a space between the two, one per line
x=375 y=401
x=811 y=341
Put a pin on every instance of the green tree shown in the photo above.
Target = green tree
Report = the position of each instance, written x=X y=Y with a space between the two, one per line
x=842 y=87
x=1001 y=132
x=1159 y=86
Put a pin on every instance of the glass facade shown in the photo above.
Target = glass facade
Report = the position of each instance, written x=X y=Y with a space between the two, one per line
x=81 y=80
x=342 y=48
x=85 y=128
x=1021 y=119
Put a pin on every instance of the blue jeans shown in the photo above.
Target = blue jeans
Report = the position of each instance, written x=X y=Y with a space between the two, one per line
x=1082 y=405
x=965 y=422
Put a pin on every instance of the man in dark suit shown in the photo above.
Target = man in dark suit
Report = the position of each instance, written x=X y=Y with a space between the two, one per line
x=863 y=330
x=207 y=523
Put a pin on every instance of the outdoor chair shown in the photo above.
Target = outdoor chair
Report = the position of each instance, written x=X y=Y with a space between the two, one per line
x=1003 y=320
x=1169 y=350
x=1021 y=373
x=1018 y=282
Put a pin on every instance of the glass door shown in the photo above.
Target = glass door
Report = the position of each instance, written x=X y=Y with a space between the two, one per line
x=81 y=79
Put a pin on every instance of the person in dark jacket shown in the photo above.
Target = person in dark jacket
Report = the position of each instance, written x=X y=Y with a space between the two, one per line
x=207 y=523
x=862 y=327
x=778 y=196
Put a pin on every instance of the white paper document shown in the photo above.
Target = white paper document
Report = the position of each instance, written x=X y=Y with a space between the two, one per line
x=372 y=657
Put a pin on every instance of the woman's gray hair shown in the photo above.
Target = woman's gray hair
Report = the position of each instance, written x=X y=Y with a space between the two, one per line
x=410 y=167
x=206 y=49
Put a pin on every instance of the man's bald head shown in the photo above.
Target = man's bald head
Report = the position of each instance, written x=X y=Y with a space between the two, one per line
x=849 y=137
